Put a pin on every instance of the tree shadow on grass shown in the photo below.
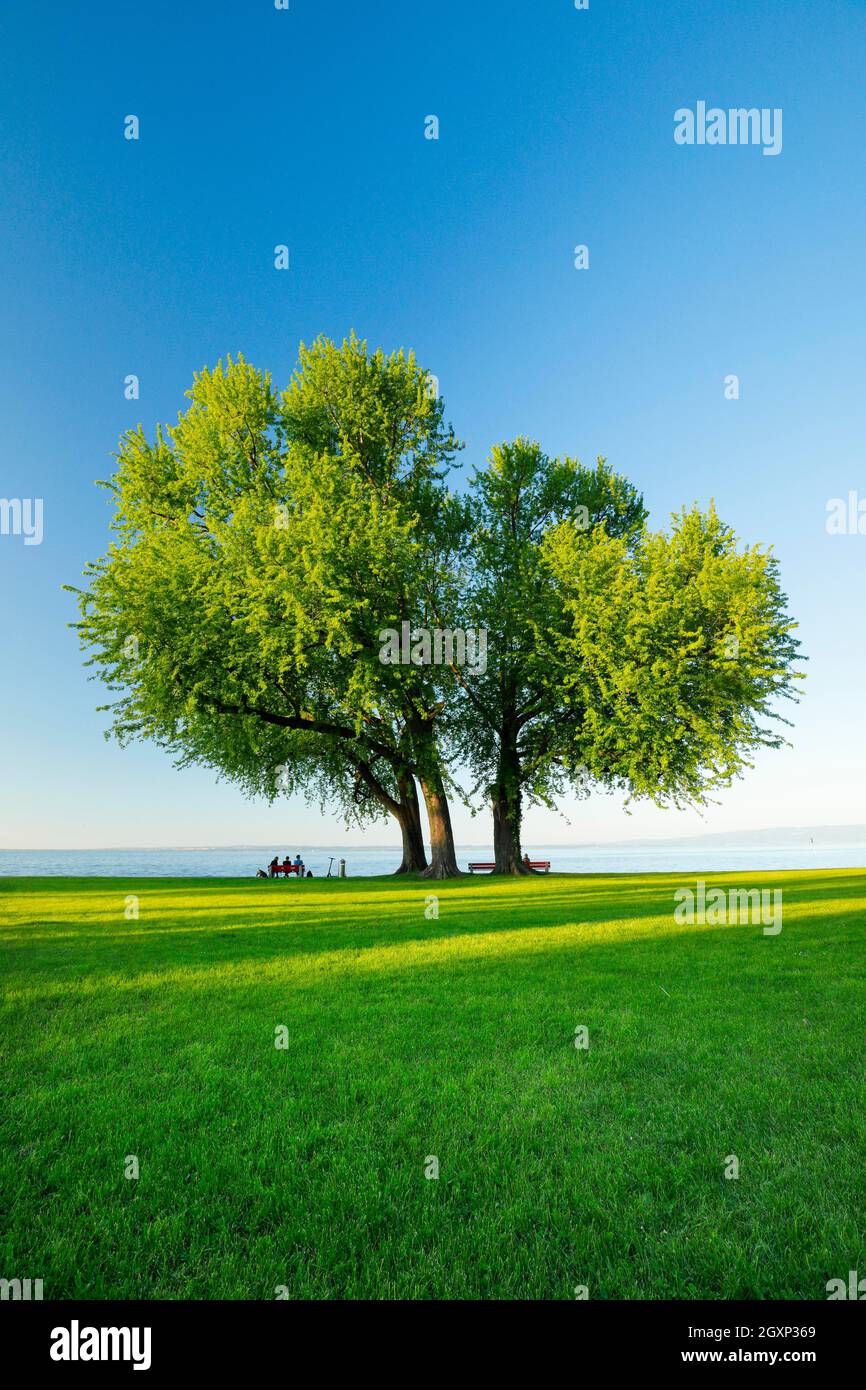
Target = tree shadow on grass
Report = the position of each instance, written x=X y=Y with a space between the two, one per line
x=325 y=935
x=804 y=948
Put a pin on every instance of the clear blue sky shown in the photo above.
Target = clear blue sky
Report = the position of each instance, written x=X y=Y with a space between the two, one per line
x=306 y=127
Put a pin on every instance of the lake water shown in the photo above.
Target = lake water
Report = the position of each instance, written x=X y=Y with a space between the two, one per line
x=242 y=862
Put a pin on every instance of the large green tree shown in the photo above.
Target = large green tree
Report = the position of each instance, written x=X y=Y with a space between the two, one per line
x=262 y=544
x=647 y=663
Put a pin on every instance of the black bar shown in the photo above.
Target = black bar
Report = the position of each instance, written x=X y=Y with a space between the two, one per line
x=228 y=1337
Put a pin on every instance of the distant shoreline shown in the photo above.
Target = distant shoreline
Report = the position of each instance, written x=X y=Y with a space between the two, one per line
x=690 y=859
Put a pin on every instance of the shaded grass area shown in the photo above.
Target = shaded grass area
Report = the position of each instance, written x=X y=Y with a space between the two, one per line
x=410 y=1037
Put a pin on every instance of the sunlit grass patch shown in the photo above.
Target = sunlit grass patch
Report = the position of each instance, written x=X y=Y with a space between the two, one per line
x=410 y=1036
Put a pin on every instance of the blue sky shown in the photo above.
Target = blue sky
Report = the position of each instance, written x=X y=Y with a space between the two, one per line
x=306 y=127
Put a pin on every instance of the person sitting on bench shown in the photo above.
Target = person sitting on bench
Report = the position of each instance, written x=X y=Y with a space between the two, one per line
x=299 y=866
x=273 y=866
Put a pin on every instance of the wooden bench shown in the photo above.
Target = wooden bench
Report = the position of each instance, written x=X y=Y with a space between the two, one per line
x=543 y=865
x=286 y=869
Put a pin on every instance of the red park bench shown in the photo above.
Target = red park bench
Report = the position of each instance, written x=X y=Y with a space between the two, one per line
x=286 y=869
x=542 y=864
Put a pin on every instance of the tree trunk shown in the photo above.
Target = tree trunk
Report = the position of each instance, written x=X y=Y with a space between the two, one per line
x=406 y=812
x=507 y=810
x=414 y=859
x=506 y=840
x=443 y=858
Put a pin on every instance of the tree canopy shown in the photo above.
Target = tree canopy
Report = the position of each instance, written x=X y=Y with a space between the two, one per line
x=265 y=543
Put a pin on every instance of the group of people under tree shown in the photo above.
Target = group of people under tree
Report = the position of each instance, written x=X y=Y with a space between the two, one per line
x=288 y=866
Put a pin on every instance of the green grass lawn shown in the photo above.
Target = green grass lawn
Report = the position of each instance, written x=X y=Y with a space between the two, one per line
x=410 y=1037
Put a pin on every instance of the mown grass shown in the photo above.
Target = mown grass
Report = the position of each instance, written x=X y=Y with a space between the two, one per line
x=411 y=1037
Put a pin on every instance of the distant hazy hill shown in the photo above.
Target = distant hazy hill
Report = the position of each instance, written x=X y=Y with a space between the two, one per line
x=782 y=836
